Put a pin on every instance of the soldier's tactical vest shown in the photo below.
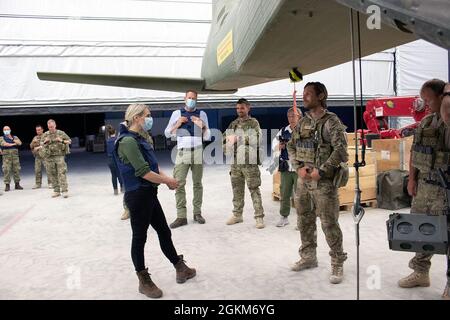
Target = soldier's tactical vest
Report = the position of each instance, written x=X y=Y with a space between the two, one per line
x=236 y=126
x=12 y=149
x=284 y=156
x=130 y=181
x=54 y=148
x=189 y=129
x=429 y=150
x=311 y=148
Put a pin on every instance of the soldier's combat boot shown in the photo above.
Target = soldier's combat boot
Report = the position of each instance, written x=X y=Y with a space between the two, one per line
x=18 y=186
x=147 y=286
x=36 y=186
x=65 y=194
x=50 y=186
x=183 y=271
x=116 y=192
x=234 y=220
x=55 y=194
x=303 y=264
x=446 y=294
x=125 y=215
x=178 y=223
x=337 y=273
x=7 y=188
x=415 y=279
x=260 y=223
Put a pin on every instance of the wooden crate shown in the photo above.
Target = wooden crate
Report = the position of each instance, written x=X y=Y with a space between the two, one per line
x=351 y=138
x=367 y=185
x=392 y=153
x=367 y=178
x=370 y=155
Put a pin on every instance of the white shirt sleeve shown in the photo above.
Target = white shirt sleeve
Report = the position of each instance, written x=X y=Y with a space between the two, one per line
x=173 y=119
x=207 y=133
x=276 y=142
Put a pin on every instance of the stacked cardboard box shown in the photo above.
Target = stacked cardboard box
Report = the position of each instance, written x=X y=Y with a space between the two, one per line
x=392 y=153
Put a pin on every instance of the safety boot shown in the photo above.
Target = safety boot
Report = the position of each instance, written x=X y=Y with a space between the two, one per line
x=234 y=220
x=147 y=286
x=337 y=273
x=304 y=264
x=260 y=223
x=183 y=271
x=18 y=186
x=178 y=223
x=415 y=279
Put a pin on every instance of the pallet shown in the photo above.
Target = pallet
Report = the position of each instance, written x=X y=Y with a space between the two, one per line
x=372 y=203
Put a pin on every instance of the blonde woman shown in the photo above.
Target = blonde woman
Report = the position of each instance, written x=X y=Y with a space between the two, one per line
x=141 y=176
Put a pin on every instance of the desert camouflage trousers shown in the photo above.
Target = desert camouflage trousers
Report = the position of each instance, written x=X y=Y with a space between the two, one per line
x=38 y=164
x=250 y=174
x=430 y=199
x=57 y=170
x=11 y=168
x=319 y=200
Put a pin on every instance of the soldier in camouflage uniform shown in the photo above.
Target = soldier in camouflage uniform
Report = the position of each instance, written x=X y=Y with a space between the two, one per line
x=11 y=163
x=55 y=147
x=429 y=152
x=316 y=150
x=241 y=141
x=35 y=146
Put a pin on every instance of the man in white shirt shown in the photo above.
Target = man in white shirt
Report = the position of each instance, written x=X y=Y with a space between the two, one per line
x=190 y=127
x=288 y=174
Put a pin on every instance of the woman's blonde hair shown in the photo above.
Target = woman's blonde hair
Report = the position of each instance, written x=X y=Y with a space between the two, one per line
x=133 y=110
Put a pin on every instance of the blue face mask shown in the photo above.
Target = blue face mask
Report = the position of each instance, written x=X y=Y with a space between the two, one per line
x=148 y=124
x=7 y=132
x=191 y=103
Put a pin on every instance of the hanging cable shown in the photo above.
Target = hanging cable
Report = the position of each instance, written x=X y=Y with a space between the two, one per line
x=358 y=211
x=363 y=144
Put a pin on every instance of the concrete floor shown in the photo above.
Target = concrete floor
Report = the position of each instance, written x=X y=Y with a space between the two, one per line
x=78 y=248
